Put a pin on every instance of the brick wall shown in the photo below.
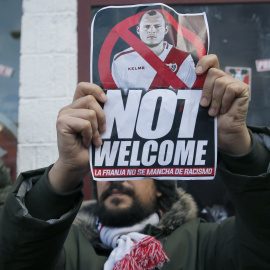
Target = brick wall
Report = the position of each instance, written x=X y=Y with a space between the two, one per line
x=48 y=77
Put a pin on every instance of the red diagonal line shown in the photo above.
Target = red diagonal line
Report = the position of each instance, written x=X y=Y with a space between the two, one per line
x=106 y=50
x=153 y=60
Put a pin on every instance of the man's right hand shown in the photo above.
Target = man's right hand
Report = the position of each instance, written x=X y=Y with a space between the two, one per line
x=78 y=125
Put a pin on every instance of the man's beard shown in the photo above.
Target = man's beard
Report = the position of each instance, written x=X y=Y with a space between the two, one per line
x=127 y=216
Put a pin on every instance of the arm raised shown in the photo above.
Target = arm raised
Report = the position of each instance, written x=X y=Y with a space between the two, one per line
x=78 y=125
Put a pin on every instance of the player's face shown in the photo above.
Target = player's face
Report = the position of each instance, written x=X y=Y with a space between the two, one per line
x=152 y=29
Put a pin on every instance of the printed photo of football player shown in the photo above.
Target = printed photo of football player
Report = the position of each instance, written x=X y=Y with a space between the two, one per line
x=131 y=71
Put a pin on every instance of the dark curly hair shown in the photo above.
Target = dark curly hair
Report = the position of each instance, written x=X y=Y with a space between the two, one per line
x=168 y=188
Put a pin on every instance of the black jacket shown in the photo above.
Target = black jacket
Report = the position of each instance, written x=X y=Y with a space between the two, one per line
x=241 y=242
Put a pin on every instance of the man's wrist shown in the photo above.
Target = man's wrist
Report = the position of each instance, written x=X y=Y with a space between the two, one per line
x=252 y=163
x=237 y=144
x=63 y=180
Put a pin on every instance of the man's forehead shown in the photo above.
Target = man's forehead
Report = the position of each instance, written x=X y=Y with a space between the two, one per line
x=152 y=19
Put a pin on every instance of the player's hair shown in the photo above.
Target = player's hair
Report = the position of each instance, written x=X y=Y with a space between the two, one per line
x=153 y=13
x=167 y=189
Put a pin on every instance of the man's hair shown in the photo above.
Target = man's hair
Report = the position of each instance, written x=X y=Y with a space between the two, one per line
x=169 y=194
x=153 y=13
x=165 y=201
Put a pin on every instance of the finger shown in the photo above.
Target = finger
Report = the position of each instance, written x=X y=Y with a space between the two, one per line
x=90 y=116
x=207 y=62
x=84 y=89
x=221 y=85
x=89 y=102
x=234 y=90
x=81 y=123
x=91 y=133
x=74 y=126
x=228 y=98
x=208 y=86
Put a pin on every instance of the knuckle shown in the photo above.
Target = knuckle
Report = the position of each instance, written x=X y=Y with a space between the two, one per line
x=215 y=100
x=88 y=125
x=62 y=111
x=217 y=96
x=81 y=85
x=214 y=57
x=60 y=120
x=244 y=86
x=90 y=99
x=213 y=72
x=247 y=89
x=220 y=82
x=207 y=90
x=230 y=89
x=92 y=114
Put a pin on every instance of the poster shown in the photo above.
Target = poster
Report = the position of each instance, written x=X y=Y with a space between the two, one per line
x=6 y=71
x=144 y=57
x=262 y=65
x=241 y=73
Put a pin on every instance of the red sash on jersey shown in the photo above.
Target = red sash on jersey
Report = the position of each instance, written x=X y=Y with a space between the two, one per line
x=175 y=57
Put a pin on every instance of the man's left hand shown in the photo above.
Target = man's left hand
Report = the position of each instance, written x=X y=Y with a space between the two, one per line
x=228 y=99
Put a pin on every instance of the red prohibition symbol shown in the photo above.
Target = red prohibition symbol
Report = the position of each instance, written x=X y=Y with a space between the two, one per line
x=121 y=30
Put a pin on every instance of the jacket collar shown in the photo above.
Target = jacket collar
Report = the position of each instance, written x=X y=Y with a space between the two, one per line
x=181 y=212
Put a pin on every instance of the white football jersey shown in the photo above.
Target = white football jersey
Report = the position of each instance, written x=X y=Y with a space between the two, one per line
x=131 y=71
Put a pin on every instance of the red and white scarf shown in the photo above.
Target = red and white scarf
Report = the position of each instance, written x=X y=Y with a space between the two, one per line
x=131 y=249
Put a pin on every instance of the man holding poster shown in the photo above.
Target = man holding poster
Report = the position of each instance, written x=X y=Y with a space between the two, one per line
x=131 y=71
x=141 y=224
